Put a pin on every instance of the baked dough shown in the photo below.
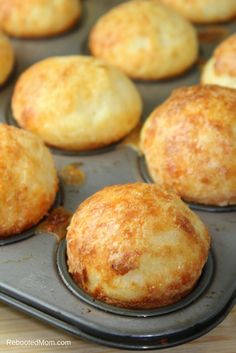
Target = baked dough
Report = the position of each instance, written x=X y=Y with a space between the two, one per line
x=76 y=102
x=38 y=18
x=221 y=67
x=190 y=144
x=28 y=180
x=6 y=58
x=136 y=246
x=204 y=11
x=145 y=39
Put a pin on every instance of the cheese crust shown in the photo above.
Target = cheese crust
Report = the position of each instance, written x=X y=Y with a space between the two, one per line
x=28 y=180
x=76 y=102
x=145 y=39
x=38 y=18
x=136 y=246
x=190 y=144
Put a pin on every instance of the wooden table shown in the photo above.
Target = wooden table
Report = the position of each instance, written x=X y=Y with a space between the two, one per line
x=15 y=325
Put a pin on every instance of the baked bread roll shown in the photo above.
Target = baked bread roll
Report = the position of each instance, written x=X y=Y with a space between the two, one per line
x=6 y=58
x=204 y=11
x=136 y=246
x=221 y=67
x=38 y=18
x=145 y=39
x=76 y=102
x=190 y=144
x=28 y=180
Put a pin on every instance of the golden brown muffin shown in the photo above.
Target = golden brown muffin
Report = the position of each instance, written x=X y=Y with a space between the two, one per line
x=204 y=11
x=6 y=58
x=145 y=39
x=136 y=246
x=76 y=102
x=28 y=180
x=190 y=144
x=38 y=18
x=221 y=68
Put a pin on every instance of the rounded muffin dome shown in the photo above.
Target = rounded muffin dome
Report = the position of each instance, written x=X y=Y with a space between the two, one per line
x=6 y=58
x=145 y=39
x=190 y=144
x=76 y=102
x=28 y=180
x=136 y=246
x=221 y=67
x=204 y=11
x=38 y=18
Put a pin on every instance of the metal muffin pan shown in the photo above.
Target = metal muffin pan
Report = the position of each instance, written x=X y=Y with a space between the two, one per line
x=34 y=276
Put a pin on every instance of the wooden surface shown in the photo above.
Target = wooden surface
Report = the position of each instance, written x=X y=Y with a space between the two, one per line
x=16 y=325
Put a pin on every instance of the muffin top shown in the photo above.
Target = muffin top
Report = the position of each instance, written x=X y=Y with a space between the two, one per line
x=190 y=144
x=136 y=246
x=38 y=18
x=76 y=102
x=28 y=180
x=145 y=39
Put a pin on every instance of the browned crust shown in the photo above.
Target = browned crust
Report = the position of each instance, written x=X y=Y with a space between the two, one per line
x=8 y=6
x=189 y=144
x=84 y=82
x=120 y=232
x=22 y=204
x=225 y=57
x=108 y=40
x=147 y=302
x=43 y=208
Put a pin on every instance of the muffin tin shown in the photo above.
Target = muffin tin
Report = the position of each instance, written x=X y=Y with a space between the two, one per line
x=34 y=275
